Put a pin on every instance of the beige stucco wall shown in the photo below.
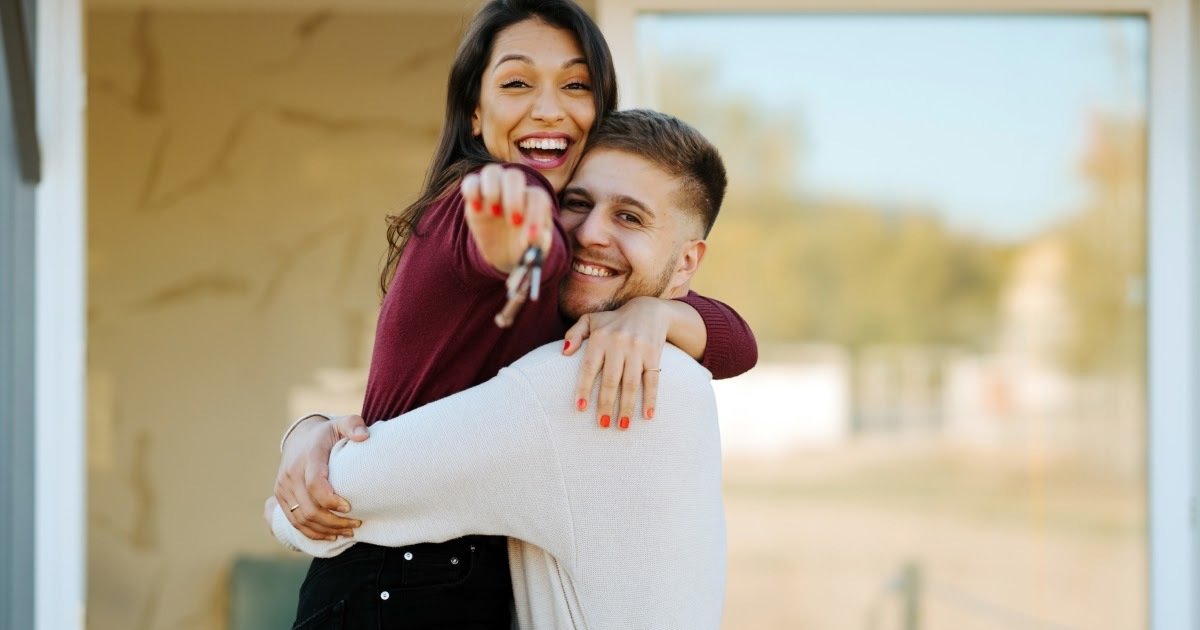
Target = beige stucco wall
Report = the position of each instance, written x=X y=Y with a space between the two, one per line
x=239 y=169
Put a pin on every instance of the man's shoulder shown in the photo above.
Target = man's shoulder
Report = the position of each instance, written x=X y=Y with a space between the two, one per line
x=685 y=406
x=550 y=378
x=548 y=360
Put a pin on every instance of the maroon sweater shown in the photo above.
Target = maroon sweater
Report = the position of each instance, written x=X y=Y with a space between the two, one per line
x=436 y=337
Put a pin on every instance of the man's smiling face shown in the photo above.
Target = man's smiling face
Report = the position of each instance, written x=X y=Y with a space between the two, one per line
x=629 y=237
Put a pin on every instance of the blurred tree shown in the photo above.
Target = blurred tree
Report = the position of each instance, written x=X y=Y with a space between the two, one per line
x=807 y=269
x=1106 y=251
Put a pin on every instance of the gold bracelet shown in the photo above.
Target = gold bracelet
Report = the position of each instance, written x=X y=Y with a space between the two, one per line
x=296 y=424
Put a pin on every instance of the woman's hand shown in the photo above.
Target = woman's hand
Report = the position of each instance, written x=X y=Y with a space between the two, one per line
x=625 y=351
x=506 y=215
x=302 y=485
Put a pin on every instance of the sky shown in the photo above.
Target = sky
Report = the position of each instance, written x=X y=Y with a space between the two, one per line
x=984 y=117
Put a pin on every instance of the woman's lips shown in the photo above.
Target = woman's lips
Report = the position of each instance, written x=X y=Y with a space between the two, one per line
x=545 y=151
x=527 y=157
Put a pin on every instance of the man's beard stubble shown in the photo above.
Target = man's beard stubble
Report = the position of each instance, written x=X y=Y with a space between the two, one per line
x=632 y=287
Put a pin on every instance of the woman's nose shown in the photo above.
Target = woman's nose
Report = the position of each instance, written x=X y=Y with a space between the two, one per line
x=547 y=106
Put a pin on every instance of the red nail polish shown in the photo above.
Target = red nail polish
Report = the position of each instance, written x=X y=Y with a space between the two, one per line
x=581 y=404
x=497 y=210
x=605 y=421
x=518 y=219
x=567 y=345
x=533 y=232
x=650 y=413
x=477 y=205
x=624 y=422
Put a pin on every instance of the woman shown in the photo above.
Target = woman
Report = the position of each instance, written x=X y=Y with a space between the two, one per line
x=530 y=80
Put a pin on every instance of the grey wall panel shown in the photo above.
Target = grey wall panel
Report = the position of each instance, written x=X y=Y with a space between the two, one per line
x=16 y=377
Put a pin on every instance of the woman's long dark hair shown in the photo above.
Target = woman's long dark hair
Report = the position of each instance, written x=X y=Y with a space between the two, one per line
x=458 y=150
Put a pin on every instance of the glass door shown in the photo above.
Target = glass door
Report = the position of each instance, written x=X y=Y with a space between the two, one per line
x=936 y=226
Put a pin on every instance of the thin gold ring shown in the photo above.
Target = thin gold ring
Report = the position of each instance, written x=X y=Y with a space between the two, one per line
x=293 y=508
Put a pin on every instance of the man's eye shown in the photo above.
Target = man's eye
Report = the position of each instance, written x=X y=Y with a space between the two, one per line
x=629 y=217
x=515 y=83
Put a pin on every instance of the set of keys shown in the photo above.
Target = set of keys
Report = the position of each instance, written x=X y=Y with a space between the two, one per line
x=523 y=283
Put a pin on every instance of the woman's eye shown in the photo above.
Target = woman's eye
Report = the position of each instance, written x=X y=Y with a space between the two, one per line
x=515 y=83
x=576 y=205
x=578 y=85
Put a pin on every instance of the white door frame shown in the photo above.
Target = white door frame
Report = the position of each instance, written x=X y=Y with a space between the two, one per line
x=1173 y=247
x=60 y=482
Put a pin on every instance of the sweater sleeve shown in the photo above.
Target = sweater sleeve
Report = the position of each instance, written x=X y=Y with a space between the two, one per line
x=482 y=461
x=731 y=349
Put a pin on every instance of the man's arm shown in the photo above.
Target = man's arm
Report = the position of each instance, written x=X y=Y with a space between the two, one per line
x=482 y=461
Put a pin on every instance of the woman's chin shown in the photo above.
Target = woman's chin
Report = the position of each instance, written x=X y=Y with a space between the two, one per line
x=558 y=179
x=557 y=171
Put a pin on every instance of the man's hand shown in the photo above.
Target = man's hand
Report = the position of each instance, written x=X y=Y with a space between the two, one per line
x=302 y=485
x=625 y=352
x=506 y=215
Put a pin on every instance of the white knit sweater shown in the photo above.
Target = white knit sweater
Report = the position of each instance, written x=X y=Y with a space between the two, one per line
x=609 y=529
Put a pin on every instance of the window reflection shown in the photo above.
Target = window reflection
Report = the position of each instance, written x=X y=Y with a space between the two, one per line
x=936 y=226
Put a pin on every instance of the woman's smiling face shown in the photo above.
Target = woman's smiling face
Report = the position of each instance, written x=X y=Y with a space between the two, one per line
x=535 y=100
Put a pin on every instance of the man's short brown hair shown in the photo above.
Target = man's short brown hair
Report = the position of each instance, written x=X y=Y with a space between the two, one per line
x=675 y=147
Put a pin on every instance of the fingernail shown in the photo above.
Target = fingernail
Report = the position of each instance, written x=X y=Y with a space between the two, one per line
x=477 y=205
x=360 y=431
x=650 y=413
x=624 y=422
x=605 y=421
x=581 y=404
x=533 y=232
x=497 y=210
x=358 y=523
x=343 y=507
x=567 y=345
x=518 y=218
x=331 y=538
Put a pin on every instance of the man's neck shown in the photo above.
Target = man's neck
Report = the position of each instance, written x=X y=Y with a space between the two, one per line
x=677 y=292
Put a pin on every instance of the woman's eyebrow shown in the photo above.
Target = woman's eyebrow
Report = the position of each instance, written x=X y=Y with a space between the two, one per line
x=513 y=57
x=527 y=60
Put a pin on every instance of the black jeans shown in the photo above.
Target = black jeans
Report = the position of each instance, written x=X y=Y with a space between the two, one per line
x=462 y=584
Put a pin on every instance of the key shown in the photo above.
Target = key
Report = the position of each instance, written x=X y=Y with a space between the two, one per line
x=523 y=283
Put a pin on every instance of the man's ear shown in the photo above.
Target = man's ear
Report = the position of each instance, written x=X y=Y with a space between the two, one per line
x=476 y=128
x=687 y=263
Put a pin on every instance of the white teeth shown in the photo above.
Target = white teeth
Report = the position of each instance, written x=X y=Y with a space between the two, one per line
x=591 y=270
x=545 y=144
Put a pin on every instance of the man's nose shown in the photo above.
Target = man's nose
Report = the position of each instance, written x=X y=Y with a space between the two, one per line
x=593 y=231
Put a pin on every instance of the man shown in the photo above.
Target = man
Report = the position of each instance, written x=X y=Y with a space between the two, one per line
x=604 y=532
